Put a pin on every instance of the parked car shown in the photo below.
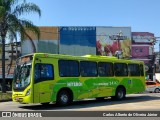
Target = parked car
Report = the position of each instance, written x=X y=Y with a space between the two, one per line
x=152 y=86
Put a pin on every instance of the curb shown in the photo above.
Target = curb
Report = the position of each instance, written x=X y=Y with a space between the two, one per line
x=5 y=100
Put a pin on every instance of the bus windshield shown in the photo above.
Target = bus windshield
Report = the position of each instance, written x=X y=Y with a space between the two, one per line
x=21 y=76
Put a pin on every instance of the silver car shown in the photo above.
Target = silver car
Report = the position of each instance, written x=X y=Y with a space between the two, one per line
x=152 y=86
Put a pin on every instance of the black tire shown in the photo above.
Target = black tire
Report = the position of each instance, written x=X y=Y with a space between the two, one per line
x=156 y=90
x=120 y=94
x=64 y=98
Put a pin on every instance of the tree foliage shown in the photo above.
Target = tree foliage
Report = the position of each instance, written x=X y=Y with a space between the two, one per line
x=11 y=23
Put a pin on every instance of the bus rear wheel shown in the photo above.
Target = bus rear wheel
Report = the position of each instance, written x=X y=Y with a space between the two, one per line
x=120 y=94
x=64 y=98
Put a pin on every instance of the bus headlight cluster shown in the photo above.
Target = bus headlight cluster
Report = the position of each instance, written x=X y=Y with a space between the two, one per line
x=28 y=92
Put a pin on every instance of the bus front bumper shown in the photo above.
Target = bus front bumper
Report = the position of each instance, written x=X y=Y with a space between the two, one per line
x=21 y=99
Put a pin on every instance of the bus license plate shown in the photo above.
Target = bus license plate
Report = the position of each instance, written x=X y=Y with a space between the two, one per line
x=17 y=98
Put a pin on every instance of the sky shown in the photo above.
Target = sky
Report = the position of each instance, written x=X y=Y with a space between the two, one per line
x=140 y=15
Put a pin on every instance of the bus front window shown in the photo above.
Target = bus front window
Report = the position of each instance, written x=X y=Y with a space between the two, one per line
x=21 y=77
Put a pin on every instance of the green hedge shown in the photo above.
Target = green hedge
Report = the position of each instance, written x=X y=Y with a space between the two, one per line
x=5 y=96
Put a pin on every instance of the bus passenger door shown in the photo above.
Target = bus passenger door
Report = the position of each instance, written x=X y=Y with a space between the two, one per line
x=43 y=80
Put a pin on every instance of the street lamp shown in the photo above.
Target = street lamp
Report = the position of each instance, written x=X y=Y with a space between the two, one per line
x=118 y=38
x=154 y=41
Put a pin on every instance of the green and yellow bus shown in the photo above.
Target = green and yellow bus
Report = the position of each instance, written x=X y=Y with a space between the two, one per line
x=44 y=78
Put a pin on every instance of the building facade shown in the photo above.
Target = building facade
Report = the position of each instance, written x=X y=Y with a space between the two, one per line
x=143 y=49
x=77 y=40
x=48 y=41
x=81 y=40
x=112 y=39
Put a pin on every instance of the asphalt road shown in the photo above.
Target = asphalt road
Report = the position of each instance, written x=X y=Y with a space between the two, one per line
x=133 y=102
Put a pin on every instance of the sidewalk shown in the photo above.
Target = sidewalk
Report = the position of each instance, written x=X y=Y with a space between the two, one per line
x=5 y=96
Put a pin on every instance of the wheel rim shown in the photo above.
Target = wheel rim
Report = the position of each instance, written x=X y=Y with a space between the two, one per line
x=120 y=94
x=64 y=98
x=157 y=90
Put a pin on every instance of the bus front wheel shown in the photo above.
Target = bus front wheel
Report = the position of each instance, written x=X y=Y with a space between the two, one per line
x=120 y=94
x=64 y=98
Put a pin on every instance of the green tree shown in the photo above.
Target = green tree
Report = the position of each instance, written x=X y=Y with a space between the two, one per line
x=11 y=23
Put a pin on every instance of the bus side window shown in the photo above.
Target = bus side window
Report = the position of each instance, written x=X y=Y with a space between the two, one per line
x=68 y=68
x=120 y=69
x=134 y=69
x=83 y=73
x=47 y=71
x=44 y=72
x=105 y=69
x=88 y=68
x=141 y=70
x=117 y=72
x=101 y=71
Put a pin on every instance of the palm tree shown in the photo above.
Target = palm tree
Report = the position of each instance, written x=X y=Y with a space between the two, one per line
x=10 y=23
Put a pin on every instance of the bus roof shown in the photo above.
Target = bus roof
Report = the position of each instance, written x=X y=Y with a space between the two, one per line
x=85 y=57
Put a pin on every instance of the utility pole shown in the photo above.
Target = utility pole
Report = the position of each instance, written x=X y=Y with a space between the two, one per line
x=159 y=54
x=154 y=64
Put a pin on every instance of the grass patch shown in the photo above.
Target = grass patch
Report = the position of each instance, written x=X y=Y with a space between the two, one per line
x=5 y=96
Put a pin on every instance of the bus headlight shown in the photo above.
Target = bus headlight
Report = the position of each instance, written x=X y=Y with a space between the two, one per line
x=28 y=92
